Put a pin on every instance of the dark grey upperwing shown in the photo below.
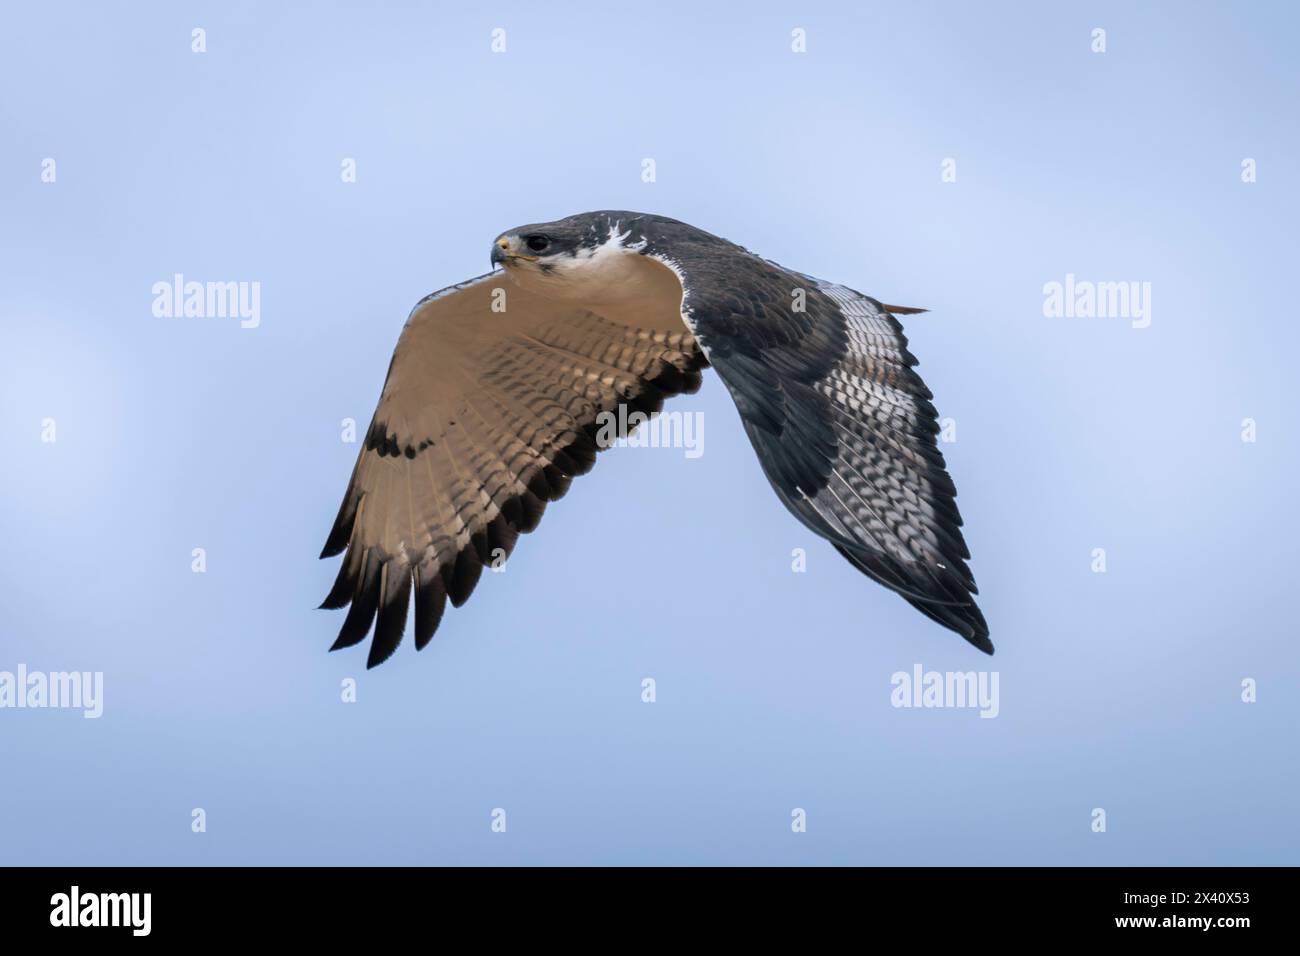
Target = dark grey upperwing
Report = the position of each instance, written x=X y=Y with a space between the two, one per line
x=843 y=426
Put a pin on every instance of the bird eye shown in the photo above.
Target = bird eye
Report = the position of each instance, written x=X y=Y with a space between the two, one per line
x=537 y=243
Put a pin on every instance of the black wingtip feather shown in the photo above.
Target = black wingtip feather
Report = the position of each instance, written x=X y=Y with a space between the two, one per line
x=964 y=619
x=943 y=598
x=430 y=602
x=462 y=577
x=364 y=602
x=533 y=507
x=341 y=532
x=395 y=597
x=345 y=585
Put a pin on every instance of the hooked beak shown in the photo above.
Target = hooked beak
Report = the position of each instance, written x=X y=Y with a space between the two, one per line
x=503 y=251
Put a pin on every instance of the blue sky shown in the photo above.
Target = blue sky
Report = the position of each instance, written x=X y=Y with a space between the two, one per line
x=1119 y=690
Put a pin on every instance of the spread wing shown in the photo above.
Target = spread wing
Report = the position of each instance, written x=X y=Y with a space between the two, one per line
x=486 y=415
x=842 y=424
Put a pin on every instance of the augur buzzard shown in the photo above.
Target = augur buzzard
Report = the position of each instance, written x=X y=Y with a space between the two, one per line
x=498 y=386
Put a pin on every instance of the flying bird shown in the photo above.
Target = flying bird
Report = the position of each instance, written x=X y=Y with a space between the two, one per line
x=499 y=386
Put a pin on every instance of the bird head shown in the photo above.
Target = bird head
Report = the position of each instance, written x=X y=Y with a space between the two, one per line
x=583 y=257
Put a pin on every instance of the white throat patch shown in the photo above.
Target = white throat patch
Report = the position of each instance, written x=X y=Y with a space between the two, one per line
x=609 y=273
